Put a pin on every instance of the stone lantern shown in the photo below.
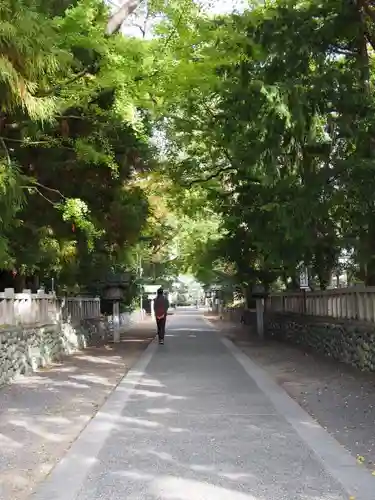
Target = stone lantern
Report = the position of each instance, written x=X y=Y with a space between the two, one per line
x=112 y=290
x=259 y=292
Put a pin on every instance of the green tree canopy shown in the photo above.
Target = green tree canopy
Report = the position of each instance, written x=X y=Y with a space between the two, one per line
x=234 y=147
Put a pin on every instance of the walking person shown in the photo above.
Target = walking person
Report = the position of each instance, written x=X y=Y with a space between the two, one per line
x=161 y=306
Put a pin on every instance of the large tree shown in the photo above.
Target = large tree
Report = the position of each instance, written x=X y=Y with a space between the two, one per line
x=278 y=127
x=73 y=136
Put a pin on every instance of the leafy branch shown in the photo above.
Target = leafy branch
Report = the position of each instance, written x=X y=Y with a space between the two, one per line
x=217 y=174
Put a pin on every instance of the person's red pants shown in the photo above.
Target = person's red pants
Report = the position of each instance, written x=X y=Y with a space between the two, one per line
x=160 y=323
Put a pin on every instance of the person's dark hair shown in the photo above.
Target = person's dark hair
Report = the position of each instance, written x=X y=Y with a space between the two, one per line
x=160 y=291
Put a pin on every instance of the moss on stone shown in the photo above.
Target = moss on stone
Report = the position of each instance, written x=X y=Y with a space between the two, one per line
x=347 y=341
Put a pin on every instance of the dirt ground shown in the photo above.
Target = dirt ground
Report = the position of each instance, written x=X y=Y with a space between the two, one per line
x=41 y=415
x=339 y=397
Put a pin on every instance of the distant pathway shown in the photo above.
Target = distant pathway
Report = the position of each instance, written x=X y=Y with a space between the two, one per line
x=198 y=420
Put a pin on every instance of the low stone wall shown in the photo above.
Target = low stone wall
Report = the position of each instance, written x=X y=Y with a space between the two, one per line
x=127 y=319
x=239 y=315
x=23 y=349
x=349 y=341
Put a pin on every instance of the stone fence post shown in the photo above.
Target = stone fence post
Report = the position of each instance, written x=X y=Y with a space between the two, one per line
x=357 y=302
x=44 y=308
x=8 y=310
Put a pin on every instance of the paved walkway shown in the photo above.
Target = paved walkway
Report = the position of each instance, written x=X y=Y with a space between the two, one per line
x=198 y=420
x=338 y=396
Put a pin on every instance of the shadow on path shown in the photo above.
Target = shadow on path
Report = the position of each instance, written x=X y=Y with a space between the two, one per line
x=339 y=397
x=42 y=414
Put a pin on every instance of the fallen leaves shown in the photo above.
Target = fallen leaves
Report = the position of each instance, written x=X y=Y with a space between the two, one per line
x=360 y=459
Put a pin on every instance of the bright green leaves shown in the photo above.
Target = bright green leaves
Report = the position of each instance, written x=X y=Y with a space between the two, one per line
x=272 y=116
x=263 y=121
x=77 y=212
x=29 y=58
x=73 y=125
x=87 y=153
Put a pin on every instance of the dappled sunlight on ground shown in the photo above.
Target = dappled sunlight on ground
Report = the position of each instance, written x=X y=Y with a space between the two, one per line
x=185 y=489
x=161 y=411
x=44 y=413
x=150 y=394
x=339 y=397
x=218 y=481
x=195 y=427
x=92 y=359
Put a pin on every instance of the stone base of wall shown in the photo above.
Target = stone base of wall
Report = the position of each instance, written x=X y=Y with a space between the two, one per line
x=351 y=342
x=240 y=315
x=24 y=349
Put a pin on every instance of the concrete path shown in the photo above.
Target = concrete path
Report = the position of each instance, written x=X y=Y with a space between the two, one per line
x=197 y=420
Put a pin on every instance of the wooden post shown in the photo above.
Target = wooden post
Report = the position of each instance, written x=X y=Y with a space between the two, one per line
x=10 y=317
x=116 y=321
x=304 y=308
x=260 y=317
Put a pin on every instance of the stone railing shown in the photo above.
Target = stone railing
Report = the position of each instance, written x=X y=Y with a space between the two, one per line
x=44 y=308
x=79 y=308
x=342 y=303
x=38 y=329
x=338 y=323
x=125 y=319
x=239 y=314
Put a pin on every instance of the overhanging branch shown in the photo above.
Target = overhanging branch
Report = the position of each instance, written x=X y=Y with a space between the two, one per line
x=217 y=174
x=113 y=26
x=202 y=180
x=61 y=86
x=367 y=9
x=122 y=13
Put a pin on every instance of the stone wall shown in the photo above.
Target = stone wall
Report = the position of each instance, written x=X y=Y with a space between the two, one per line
x=239 y=315
x=23 y=349
x=349 y=341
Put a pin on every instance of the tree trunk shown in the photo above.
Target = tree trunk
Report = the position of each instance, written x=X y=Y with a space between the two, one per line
x=294 y=284
x=323 y=280
x=367 y=253
x=117 y=19
x=36 y=283
x=19 y=283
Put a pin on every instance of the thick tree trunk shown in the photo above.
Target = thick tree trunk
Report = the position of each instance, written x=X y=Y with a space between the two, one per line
x=366 y=253
x=324 y=280
x=370 y=277
x=367 y=239
x=6 y=280
x=294 y=282
x=35 y=283
x=19 y=283
x=116 y=21
x=370 y=264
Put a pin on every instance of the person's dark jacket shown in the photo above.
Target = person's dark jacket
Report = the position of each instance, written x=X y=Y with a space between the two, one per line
x=161 y=304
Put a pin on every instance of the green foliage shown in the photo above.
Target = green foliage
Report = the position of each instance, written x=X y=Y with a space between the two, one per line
x=73 y=137
x=232 y=147
x=276 y=130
